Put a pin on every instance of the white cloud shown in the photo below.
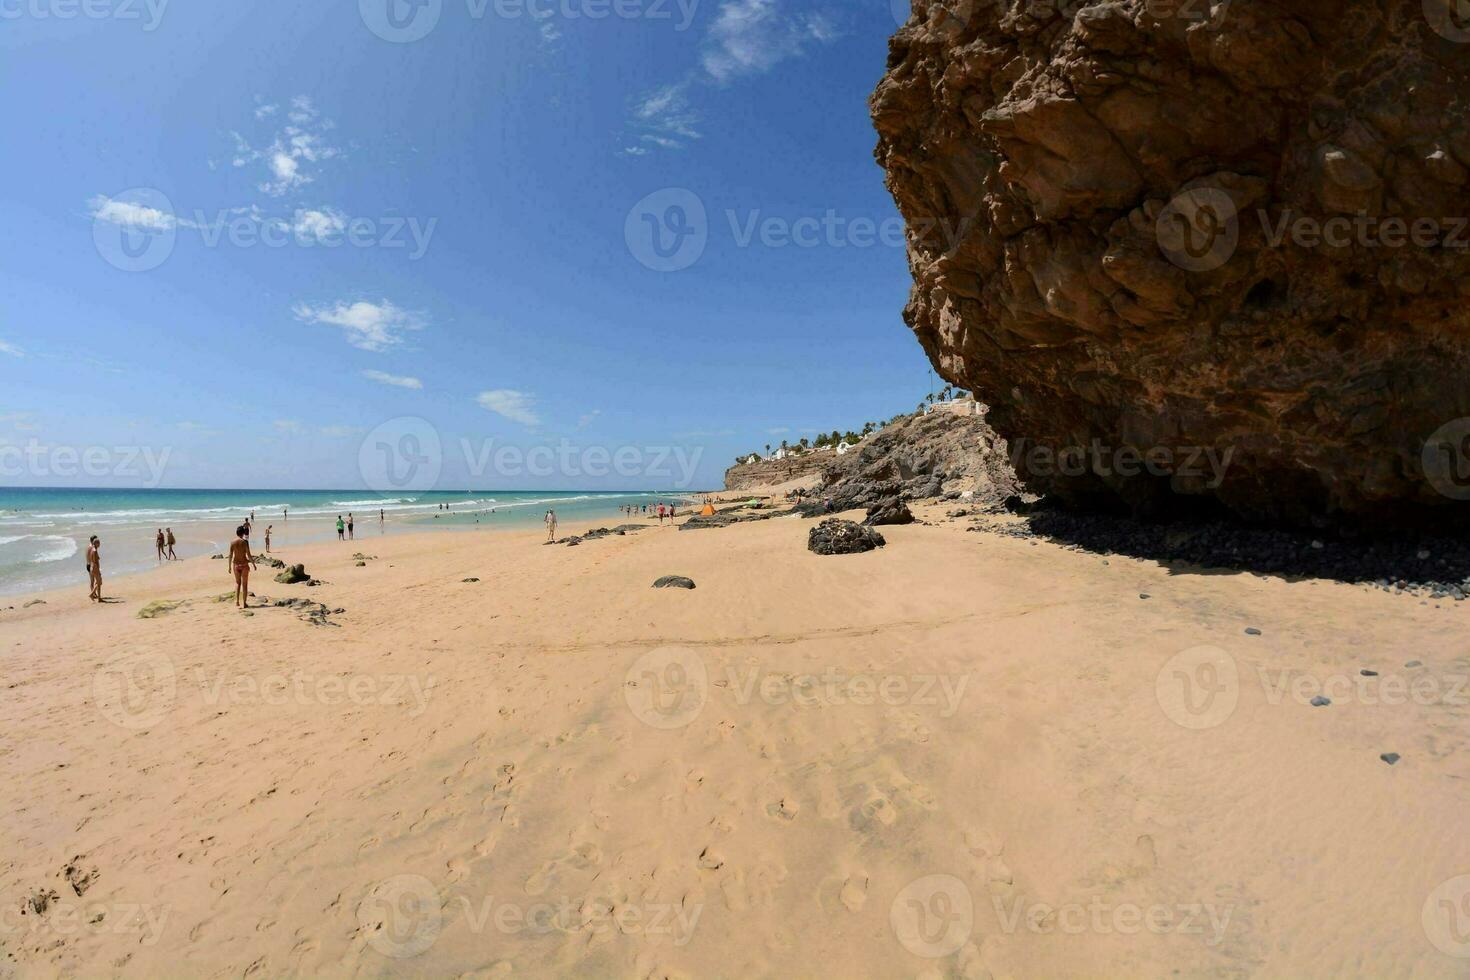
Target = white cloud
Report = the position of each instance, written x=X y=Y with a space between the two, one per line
x=287 y=425
x=11 y=349
x=319 y=224
x=367 y=326
x=292 y=148
x=397 y=381
x=750 y=37
x=514 y=405
x=589 y=418
x=130 y=215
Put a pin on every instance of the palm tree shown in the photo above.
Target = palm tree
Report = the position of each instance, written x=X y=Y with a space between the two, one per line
x=768 y=449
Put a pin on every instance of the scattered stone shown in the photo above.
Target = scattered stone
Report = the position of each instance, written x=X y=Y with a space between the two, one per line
x=34 y=602
x=1144 y=595
x=1368 y=673
x=1252 y=631
x=293 y=575
x=159 y=607
x=469 y=580
x=39 y=901
x=1320 y=702
x=268 y=560
x=1391 y=758
x=79 y=880
x=838 y=537
x=360 y=564
x=1414 y=663
x=217 y=557
x=674 y=582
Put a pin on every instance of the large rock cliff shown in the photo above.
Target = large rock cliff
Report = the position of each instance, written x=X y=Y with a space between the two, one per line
x=1121 y=234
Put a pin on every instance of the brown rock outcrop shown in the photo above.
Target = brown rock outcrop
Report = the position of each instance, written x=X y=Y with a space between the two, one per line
x=1146 y=231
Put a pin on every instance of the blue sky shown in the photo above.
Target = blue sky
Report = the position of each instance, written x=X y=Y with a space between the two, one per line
x=253 y=234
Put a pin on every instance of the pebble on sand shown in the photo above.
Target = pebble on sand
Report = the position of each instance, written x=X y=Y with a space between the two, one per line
x=1368 y=673
x=674 y=582
x=1320 y=702
x=1252 y=631
x=1144 y=595
x=1390 y=757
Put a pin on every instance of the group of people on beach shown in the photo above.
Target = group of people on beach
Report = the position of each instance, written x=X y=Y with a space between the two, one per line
x=164 y=543
x=661 y=509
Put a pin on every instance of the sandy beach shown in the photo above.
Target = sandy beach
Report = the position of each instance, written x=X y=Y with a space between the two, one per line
x=959 y=755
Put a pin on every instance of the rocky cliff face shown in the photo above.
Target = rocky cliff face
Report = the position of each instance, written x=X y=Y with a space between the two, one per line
x=774 y=472
x=1154 y=234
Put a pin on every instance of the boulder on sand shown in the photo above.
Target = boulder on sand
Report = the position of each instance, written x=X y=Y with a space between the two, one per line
x=292 y=575
x=890 y=510
x=837 y=537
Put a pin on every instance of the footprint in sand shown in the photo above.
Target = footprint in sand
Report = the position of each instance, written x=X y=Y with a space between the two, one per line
x=784 y=809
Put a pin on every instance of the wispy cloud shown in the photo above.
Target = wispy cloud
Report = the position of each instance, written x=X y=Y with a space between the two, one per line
x=130 y=214
x=321 y=224
x=750 y=37
x=664 y=119
x=397 y=381
x=746 y=39
x=339 y=431
x=367 y=326
x=514 y=405
x=11 y=349
x=589 y=418
x=289 y=426
x=294 y=150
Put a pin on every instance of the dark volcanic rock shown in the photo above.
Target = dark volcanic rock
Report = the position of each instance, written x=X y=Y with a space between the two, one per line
x=674 y=582
x=1096 y=193
x=836 y=537
x=890 y=511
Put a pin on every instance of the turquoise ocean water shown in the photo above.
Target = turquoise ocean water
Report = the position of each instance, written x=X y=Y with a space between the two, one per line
x=43 y=532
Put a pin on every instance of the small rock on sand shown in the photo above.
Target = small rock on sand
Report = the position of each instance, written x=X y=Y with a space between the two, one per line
x=1320 y=702
x=1390 y=757
x=468 y=580
x=34 y=602
x=292 y=575
x=158 y=607
x=1252 y=631
x=674 y=582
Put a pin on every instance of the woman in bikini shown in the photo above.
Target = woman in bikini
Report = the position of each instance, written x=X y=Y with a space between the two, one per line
x=240 y=559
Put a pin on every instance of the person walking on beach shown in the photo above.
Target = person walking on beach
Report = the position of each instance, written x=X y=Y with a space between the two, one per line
x=240 y=559
x=268 y=538
x=94 y=567
x=158 y=542
x=380 y=515
x=550 y=525
x=340 y=528
x=171 y=542
x=283 y=513
x=349 y=526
